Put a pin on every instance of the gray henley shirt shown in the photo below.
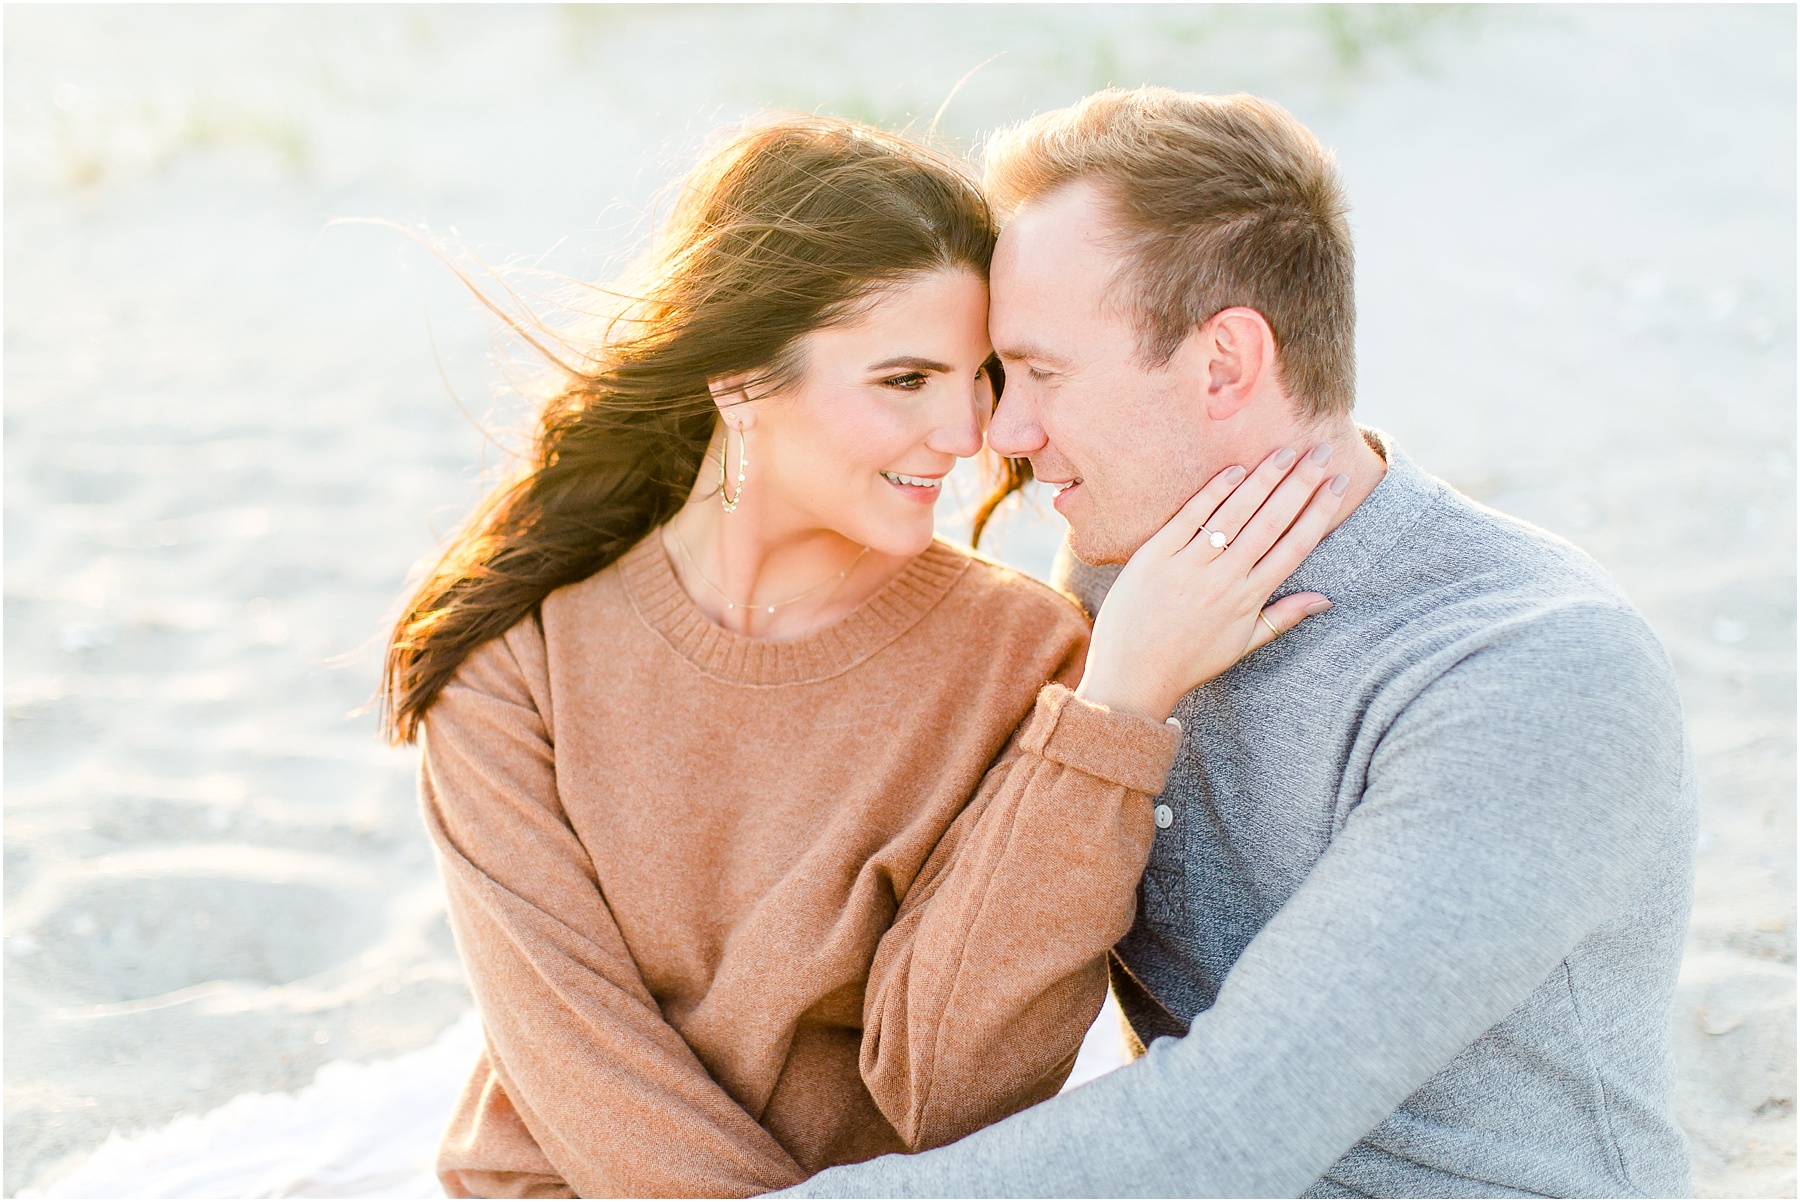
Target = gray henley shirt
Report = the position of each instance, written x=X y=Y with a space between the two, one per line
x=1415 y=927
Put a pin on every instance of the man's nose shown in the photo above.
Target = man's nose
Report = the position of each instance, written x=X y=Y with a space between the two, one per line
x=1014 y=431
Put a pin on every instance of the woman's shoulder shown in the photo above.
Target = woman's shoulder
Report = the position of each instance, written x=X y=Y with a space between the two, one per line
x=1003 y=625
x=595 y=595
x=526 y=646
x=515 y=665
x=991 y=589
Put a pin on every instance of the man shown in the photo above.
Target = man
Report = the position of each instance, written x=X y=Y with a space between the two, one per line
x=1414 y=913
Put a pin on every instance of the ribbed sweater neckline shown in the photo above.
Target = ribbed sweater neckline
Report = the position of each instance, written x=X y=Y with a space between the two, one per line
x=664 y=606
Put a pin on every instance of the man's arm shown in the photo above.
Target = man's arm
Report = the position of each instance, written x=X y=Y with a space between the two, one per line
x=1509 y=810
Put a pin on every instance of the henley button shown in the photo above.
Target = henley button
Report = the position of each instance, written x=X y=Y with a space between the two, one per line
x=1165 y=817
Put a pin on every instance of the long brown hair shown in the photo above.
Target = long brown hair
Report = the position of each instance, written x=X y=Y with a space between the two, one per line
x=782 y=230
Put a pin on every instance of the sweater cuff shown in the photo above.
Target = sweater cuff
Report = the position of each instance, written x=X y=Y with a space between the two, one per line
x=1126 y=749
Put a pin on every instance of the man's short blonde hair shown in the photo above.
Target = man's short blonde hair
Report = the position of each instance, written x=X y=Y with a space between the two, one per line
x=1220 y=201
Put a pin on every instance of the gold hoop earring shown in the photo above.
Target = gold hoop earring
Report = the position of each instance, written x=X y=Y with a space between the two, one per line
x=725 y=498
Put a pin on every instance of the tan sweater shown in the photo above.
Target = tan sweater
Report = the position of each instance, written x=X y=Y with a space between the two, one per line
x=735 y=911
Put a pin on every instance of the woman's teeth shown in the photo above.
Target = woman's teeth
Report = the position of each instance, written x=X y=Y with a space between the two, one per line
x=915 y=481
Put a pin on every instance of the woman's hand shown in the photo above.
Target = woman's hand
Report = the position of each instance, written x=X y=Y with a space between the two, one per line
x=1190 y=603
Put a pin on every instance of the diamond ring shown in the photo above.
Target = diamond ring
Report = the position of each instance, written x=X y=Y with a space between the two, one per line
x=1213 y=536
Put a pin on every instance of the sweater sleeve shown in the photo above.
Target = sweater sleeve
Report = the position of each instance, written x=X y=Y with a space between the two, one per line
x=1511 y=808
x=995 y=966
x=604 y=1086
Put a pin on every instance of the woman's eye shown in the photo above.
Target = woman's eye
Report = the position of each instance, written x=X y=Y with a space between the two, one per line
x=912 y=381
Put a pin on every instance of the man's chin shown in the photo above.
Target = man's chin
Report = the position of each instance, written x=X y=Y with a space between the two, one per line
x=1095 y=548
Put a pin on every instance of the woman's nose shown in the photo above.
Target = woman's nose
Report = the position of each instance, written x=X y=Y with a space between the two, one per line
x=960 y=435
x=961 y=439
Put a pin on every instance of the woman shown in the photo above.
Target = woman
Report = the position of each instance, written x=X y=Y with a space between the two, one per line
x=773 y=834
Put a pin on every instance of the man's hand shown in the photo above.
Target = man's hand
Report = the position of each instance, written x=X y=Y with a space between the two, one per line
x=1190 y=603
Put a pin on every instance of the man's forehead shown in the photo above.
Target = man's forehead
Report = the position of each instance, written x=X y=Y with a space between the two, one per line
x=1063 y=241
x=1053 y=275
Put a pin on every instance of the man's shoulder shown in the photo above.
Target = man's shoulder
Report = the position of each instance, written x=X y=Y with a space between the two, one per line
x=1503 y=555
x=1473 y=579
x=1473 y=558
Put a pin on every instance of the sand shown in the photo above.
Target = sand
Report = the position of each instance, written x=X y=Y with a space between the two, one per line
x=230 y=433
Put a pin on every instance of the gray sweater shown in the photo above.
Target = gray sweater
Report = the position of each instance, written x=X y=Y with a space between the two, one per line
x=1416 y=924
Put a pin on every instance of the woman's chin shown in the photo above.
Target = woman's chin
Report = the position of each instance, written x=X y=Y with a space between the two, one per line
x=902 y=541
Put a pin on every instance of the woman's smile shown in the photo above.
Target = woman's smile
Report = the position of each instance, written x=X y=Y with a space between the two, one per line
x=921 y=489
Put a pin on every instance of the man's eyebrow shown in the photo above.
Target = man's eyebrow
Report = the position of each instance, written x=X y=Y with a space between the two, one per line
x=1030 y=351
x=913 y=361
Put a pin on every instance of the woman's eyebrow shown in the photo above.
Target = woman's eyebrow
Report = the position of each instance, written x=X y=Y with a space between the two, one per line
x=912 y=361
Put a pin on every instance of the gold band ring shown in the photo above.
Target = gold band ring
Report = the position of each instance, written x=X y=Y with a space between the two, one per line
x=1265 y=621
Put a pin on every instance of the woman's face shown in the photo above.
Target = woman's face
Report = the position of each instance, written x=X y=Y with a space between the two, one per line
x=885 y=405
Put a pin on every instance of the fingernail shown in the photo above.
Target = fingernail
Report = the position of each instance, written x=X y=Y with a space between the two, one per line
x=1317 y=607
x=1320 y=454
x=1284 y=458
x=1235 y=472
x=1339 y=484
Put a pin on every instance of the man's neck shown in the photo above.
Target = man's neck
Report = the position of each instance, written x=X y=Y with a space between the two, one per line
x=1351 y=455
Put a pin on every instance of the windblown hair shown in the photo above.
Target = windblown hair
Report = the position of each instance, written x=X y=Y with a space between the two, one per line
x=1219 y=201
x=785 y=229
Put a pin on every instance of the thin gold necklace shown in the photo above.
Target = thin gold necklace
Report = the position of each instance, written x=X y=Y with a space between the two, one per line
x=731 y=604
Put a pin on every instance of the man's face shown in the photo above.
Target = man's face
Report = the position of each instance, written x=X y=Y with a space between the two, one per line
x=1124 y=443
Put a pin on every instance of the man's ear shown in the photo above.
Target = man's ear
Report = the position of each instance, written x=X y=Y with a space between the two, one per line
x=732 y=395
x=1238 y=348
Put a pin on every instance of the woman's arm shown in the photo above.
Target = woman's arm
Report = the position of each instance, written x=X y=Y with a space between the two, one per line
x=613 y=1096
x=995 y=966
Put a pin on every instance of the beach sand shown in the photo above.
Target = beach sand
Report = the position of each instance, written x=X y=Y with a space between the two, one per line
x=231 y=430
